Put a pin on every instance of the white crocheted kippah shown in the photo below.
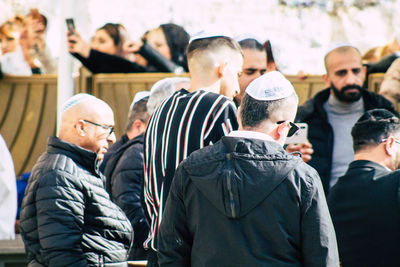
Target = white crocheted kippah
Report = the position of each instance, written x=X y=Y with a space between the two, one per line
x=270 y=86
x=72 y=101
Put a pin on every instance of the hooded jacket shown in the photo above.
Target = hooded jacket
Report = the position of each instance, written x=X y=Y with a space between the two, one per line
x=67 y=217
x=246 y=202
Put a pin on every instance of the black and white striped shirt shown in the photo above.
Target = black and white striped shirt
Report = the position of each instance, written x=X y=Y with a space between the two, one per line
x=181 y=124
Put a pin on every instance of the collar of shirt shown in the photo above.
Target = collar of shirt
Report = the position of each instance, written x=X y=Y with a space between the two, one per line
x=251 y=135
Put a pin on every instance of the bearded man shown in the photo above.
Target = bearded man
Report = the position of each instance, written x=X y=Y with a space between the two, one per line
x=331 y=113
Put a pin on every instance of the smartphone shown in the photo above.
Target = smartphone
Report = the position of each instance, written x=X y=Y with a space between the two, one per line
x=70 y=25
x=300 y=137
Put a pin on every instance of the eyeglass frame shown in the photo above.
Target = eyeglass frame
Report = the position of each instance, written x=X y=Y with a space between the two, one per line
x=111 y=128
x=293 y=128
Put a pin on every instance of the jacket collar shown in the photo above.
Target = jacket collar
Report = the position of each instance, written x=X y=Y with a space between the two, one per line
x=86 y=158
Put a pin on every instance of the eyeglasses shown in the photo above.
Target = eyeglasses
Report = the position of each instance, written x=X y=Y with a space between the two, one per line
x=111 y=128
x=293 y=128
x=395 y=140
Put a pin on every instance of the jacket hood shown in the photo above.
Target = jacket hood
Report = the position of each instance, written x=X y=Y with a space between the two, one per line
x=236 y=174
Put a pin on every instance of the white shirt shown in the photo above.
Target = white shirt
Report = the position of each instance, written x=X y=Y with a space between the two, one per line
x=251 y=135
x=8 y=193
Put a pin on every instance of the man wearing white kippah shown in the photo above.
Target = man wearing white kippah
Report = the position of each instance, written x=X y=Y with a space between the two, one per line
x=67 y=217
x=245 y=201
x=331 y=113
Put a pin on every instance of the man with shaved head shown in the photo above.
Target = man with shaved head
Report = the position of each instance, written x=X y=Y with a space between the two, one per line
x=67 y=217
x=190 y=119
x=331 y=113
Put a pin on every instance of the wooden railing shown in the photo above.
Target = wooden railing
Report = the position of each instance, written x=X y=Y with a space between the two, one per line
x=28 y=108
x=28 y=105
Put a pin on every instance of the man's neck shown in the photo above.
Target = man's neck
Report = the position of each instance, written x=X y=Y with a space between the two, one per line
x=197 y=85
x=374 y=156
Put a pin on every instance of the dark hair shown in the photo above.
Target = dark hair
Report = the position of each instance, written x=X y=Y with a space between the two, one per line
x=254 y=111
x=212 y=43
x=372 y=127
x=117 y=33
x=137 y=112
x=270 y=55
x=177 y=40
x=252 y=44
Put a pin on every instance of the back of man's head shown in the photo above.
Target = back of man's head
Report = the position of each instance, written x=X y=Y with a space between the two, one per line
x=138 y=111
x=205 y=53
x=165 y=88
x=373 y=128
x=268 y=100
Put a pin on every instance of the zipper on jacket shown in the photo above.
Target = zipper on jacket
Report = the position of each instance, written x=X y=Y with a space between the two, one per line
x=229 y=184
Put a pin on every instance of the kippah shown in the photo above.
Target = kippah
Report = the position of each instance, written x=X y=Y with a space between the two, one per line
x=139 y=96
x=208 y=34
x=270 y=86
x=72 y=101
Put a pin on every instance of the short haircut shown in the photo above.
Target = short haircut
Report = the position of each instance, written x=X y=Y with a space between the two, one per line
x=372 y=127
x=163 y=89
x=341 y=50
x=253 y=112
x=212 y=44
x=137 y=112
x=252 y=44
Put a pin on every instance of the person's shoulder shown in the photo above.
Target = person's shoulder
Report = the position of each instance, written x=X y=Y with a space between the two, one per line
x=309 y=108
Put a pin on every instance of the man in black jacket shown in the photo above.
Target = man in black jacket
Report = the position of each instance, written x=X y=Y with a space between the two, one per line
x=124 y=174
x=67 y=217
x=333 y=111
x=365 y=202
x=245 y=201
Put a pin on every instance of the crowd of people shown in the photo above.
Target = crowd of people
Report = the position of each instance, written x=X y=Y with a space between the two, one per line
x=202 y=175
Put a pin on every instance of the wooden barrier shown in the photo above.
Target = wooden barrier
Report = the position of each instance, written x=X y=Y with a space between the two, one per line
x=28 y=107
x=12 y=253
x=118 y=90
x=374 y=81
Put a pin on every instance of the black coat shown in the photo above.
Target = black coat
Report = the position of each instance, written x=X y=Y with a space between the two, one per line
x=67 y=217
x=365 y=209
x=124 y=172
x=246 y=202
x=320 y=132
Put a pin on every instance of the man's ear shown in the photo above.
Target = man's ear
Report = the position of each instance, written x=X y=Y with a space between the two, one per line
x=222 y=67
x=389 y=146
x=280 y=130
x=326 y=79
x=79 y=128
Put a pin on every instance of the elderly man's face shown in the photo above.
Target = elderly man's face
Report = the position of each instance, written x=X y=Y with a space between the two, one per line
x=345 y=75
x=98 y=132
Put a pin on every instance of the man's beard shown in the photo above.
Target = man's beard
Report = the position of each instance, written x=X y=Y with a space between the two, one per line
x=345 y=96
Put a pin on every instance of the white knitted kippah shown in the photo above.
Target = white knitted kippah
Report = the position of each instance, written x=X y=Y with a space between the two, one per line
x=139 y=96
x=270 y=86
x=72 y=101
x=209 y=34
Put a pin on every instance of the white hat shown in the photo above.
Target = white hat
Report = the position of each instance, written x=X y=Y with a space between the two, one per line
x=209 y=34
x=72 y=101
x=270 y=86
x=139 y=96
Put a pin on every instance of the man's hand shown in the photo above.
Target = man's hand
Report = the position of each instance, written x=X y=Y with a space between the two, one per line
x=305 y=149
x=77 y=45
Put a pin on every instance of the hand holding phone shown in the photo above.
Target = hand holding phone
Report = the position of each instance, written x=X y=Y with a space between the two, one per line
x=300 y=137
x=70 y=25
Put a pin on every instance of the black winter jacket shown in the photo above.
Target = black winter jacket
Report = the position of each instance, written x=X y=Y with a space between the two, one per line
x=67 y=217
x=246 y=202
x=320 y=132
x=124 y=173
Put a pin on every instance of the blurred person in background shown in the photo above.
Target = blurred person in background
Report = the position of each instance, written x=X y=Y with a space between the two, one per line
x=390 y=86
x=148 y=55
x=33 y=43
x=8 y=193
x=12 y=60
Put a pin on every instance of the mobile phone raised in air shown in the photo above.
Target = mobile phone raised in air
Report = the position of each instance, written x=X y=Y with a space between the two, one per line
x=70 y=25
x=300 y=137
